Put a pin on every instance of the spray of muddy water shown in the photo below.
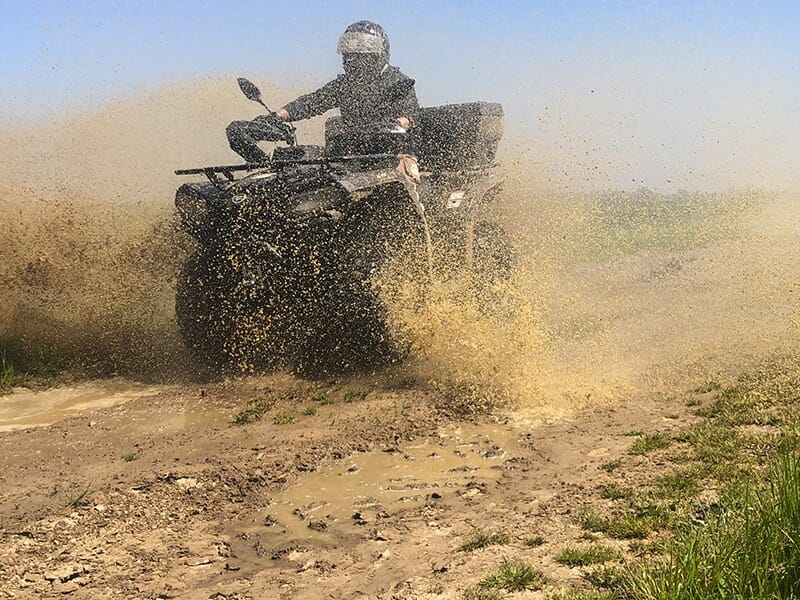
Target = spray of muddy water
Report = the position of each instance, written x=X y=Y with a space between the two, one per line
x=611 y=293
x=89 y=245
x=616 y=294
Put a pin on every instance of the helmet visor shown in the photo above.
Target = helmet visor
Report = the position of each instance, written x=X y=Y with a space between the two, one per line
x=357 y=42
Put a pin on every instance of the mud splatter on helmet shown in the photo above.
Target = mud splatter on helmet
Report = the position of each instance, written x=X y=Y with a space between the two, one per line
x=364 y=37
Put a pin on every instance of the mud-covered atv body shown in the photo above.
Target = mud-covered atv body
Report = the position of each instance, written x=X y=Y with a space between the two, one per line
x=290 y=252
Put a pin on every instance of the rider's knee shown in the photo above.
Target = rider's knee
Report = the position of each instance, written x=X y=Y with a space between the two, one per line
x=235 y=131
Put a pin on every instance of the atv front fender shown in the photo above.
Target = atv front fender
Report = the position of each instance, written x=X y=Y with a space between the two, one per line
x=363 y=183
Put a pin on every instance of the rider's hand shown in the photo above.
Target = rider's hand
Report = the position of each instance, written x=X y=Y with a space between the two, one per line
x=404 y=122
x=282 y=114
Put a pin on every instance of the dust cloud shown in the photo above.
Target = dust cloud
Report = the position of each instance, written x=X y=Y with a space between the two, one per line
x=613 y=293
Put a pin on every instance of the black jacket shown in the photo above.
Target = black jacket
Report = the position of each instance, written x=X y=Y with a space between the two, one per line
x=362 y=104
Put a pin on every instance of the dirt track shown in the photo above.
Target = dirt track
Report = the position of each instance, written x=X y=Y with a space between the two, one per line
x=208 y=509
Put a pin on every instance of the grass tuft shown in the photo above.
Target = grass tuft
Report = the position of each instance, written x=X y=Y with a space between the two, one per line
x=649 y=442
x=479 y=593
x=254 y=411
x=534 y=541
x=582 y=557
x=614 y=491
x=8 y=375
x=283 y=419
x=482 y=539
x=708 y=386
x=605 y=576
x=80 y=499
x=514 y=576
x=623 y=526
x=322 y=397
x=611 y=465
x=129 y=457
x=355 y=395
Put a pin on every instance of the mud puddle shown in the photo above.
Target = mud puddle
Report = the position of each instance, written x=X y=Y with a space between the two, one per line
x=24 y=408
x=349 y=503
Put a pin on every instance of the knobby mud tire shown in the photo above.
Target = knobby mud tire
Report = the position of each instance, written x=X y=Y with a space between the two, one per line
x=220 y=325
x=349 y=329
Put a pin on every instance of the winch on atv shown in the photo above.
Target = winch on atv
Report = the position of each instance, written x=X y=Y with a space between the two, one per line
x=290 y=251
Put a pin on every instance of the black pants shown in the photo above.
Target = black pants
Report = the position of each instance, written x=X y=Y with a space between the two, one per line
x=243 y=135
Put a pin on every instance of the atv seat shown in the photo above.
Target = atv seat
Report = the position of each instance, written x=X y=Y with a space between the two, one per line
x=447 y=138
x=341 y=141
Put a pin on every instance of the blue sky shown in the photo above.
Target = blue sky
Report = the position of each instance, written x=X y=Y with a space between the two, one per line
x=640 y=74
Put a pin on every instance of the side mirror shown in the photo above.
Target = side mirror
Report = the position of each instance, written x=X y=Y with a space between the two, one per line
x=250 y=89
x=252 y=92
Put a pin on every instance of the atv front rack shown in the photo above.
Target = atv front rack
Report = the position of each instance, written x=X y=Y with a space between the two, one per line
x=227 y=171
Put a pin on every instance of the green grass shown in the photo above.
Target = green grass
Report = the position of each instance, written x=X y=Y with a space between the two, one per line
x=714 y=442
x=611 y=465
x=514 y=576
x=614 y=491
x=534 y=541
x=479 y=593
x=582 y=557
x=608 y=577
x=283 y=419
x=36 y=371
x=323 y=397
x=482 y=539
x=743 y=542
x=80 y=499
x=623 y=526
x=309 y=411
x=633 y=433
x=620 y=223
x=355 y=395
x=581 y=595
x=649 y=442
x=682 y=483
x=129 y=457
x=709 y=386
x=8 y=375
x=749 y=549
x=254 y=411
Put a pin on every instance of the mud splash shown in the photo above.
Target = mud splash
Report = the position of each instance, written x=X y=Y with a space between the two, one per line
x=480 y=347
x=89 y=246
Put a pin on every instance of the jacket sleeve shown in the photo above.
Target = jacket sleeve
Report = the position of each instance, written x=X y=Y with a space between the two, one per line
x=315 y=103
x=409 y=107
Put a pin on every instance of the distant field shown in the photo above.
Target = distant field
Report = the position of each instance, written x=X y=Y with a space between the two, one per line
x=617 y=223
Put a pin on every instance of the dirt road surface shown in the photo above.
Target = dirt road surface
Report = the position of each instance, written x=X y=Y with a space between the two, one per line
x=356 y=490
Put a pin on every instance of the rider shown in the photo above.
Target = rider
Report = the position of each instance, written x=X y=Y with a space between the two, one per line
x=371 y=95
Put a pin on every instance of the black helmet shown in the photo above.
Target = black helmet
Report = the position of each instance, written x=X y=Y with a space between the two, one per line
x=364 y=37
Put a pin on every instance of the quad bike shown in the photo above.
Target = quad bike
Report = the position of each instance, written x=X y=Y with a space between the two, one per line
x=286 y=272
